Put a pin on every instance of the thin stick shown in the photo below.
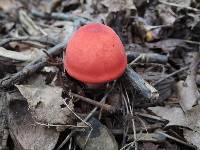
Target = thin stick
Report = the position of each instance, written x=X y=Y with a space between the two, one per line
x=180 y=6
x=133 y=122
x=175 y=139
x=87 y=118
x=44 y=40
x=96 y=103
x=18 y=56
x=66 y=139
x=59 y=125
x=133 y=57
x=73 y=131
x=76 y=114
x=136 y=59
x=170 y=75
x=102 y=101
x=61 y=16
x=31 y=68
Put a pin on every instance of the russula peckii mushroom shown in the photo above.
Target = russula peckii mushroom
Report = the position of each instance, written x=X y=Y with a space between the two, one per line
x=95 y=55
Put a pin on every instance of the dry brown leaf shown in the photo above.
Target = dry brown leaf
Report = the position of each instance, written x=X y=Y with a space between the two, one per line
x=25 y=133
x=165 y=14
x=189 y=119
x=188 y=93
x=60 y=30
x=193 y=122
x=175 y=115
x=100 y=138
x=37 y=80
x=46 y=104
x=187 y=90
x=150 y=146
x=7 y=5
x=118 y=5
x=167 y=45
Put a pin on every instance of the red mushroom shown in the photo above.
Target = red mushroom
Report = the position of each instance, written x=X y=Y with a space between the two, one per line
x=95 y=55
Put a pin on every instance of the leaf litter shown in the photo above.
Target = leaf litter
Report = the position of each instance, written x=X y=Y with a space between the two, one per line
x=154 y=105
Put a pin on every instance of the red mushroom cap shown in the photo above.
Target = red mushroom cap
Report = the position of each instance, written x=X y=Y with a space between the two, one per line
x=95 y=54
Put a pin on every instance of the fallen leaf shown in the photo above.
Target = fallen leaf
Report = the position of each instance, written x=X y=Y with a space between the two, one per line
x=116 y=5
x=25 y=133
x=46 y=104
x=165 y=14
x=99 y=139
x=37 y=80
x=167 y=45
x=150 y=146
x=148 y=137
x=189 y=119
x=193 y=122
x=188 y=93
x=175 y=115
x=187 y=90
x=9 y=5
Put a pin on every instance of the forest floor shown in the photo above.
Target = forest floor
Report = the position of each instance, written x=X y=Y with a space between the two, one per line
x=154 y=105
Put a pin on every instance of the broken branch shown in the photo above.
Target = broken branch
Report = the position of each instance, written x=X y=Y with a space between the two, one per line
x=96 y=103
x=31 y=68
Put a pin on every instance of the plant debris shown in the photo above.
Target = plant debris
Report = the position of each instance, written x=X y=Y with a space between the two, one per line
x=154 y=105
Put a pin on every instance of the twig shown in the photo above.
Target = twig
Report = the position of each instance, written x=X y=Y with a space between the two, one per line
x=88 y=124
x=152 y=117
x=77 y=115
x=59 y=125
x=140 y=138
x=146 y=57
x=96 y=103
x=139 y=84
x=29 y=25
x=129 y=144
x=18 y=56
x=192 y=42
x=102 y=101
x=170 y=75
x=133 y=142
x=143 y=124
x=138 y=129
x=43 y=39
x=136 y=59
x=130 y=109
x=180 y=6
x=125 y=111
x=60 y=16
x=175 y=139
x=66 y=139
x=31 y=67
x=87 y=118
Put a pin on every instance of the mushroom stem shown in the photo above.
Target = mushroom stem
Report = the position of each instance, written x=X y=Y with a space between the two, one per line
x=94 y=85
